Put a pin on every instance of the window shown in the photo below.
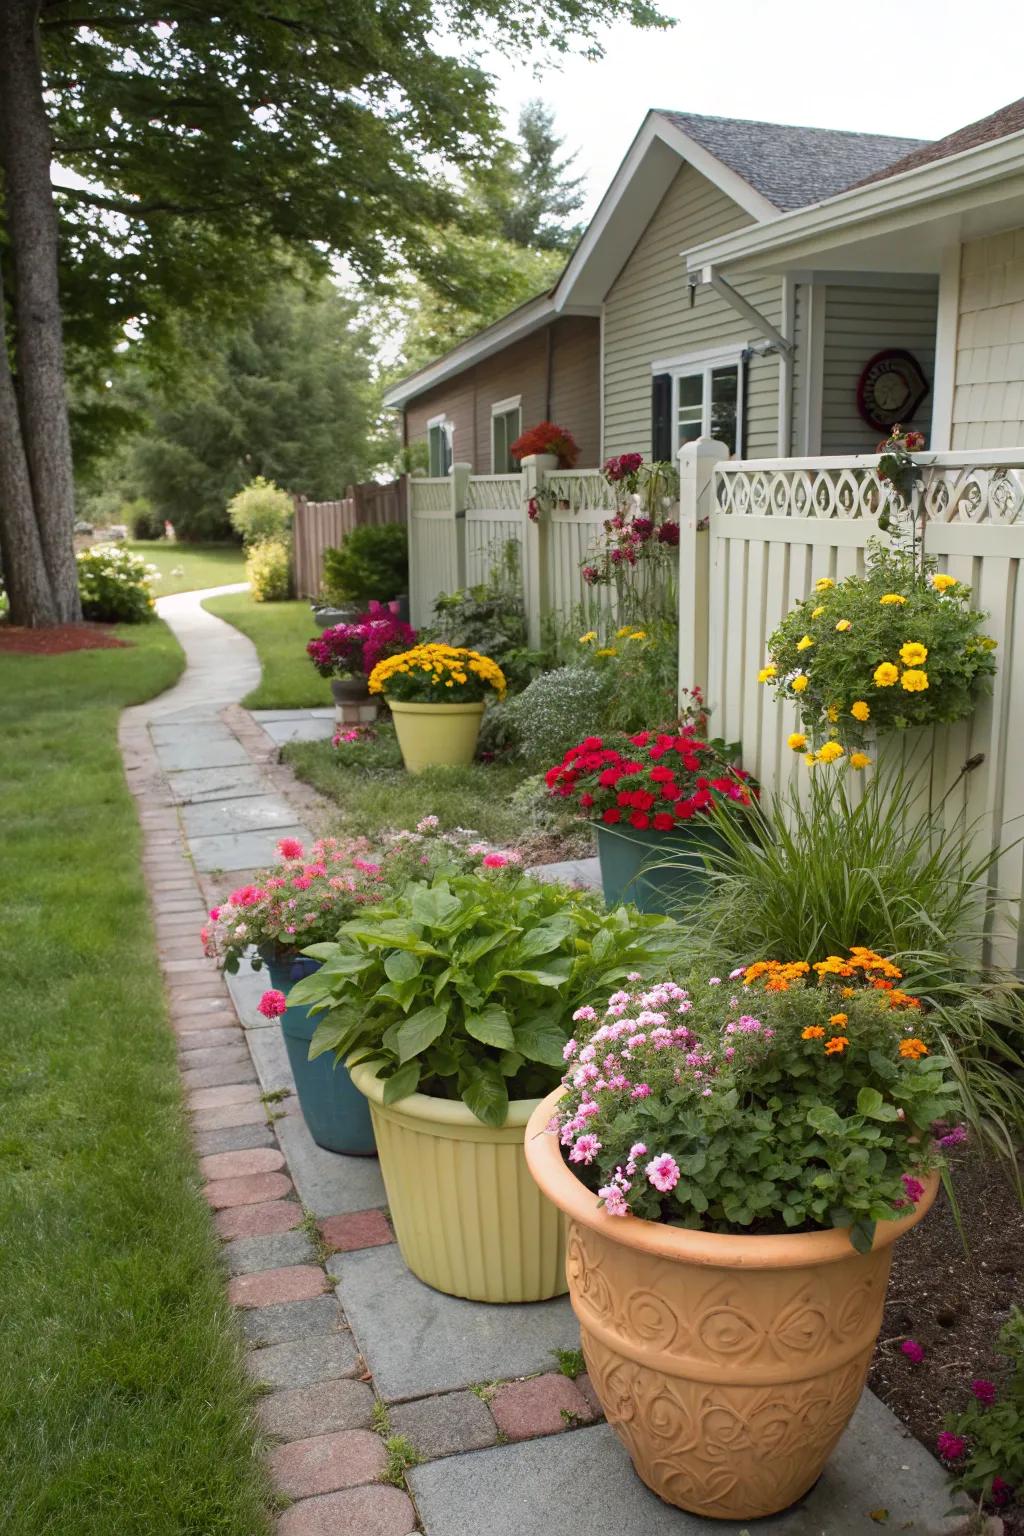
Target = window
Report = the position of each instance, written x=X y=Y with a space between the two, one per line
x=707 y=397
x=506 y=426
x=439 y=441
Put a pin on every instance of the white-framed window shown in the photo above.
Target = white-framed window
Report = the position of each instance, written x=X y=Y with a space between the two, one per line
x=707 y=396
x=506 y=426
x=440 y=438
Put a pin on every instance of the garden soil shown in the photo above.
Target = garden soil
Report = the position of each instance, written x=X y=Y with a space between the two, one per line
x=59 y=640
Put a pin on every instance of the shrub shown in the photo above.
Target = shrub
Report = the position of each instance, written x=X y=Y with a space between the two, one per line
x=116 y=585
x=521 y=951
x=372 y=563
x=260 y=510
x=785 y=1098
x=557 y=710
x=268 y=571
x=643 y=667
x=142 y=519
x=536 y=812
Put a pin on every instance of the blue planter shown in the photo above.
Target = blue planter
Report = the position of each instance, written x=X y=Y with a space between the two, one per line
x=336 y=1113
x=657 y=871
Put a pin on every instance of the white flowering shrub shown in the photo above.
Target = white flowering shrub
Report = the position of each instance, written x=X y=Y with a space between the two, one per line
x=556 y=711
x=116 y=585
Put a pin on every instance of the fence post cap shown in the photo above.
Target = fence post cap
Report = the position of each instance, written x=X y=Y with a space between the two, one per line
x=703 y=448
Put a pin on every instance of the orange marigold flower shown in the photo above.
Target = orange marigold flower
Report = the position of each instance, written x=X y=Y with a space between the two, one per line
x=900 y=999
x=837 y=1045
x=881 y=985
x=813 y=1032
x=839 y=1018
x=913 y=1049
x=848 y=992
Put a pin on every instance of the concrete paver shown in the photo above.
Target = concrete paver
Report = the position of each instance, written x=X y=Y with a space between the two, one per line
x=327 y=1182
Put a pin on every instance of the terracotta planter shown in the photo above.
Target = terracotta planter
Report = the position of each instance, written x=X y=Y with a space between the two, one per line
x=468 y=1218
x=729 y=1366
x=435 y=735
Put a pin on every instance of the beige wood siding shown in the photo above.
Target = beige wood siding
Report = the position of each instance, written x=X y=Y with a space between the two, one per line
x=648 y=316
x=521 y=369
x=988 y=396
x=860 y=321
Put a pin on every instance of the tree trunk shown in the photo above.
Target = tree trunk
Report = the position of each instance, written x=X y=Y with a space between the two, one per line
x=25 y=574
x=40 y=401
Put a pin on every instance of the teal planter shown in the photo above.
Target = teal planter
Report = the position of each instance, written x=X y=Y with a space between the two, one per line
x=635 y=866
x=336 y=1113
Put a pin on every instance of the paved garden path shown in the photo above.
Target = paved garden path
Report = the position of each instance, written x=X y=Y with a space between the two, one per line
x=330 y=1316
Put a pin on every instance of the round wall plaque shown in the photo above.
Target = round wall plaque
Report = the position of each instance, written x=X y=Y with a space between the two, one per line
x=890 y=388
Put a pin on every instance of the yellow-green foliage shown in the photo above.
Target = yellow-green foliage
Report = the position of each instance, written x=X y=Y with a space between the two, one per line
x=268 y=571
x=261 y=510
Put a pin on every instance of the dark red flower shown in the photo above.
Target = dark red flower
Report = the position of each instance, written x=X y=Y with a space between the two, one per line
x=668 y=533
x=611 y=815
x=640 y=820
x=663 y=822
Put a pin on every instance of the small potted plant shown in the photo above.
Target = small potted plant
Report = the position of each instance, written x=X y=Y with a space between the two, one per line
x=651 y=798
x=451 y=1003
x=736 y=1159
x=347 y=653
x=437 y=694
x=546 y=437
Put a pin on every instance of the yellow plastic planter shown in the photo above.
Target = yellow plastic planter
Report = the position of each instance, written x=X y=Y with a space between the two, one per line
x=469 y=1219
x=436 y=734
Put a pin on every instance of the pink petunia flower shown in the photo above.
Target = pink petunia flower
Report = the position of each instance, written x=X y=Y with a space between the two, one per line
x=663 y=1172
x=614 y=1200
x=913 y=1187
x=494 y=861
x=272 y=1004
x=290 y=848
x=585 y=1150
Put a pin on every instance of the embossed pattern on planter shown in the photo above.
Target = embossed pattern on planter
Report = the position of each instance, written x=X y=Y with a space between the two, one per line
x=729 y=1387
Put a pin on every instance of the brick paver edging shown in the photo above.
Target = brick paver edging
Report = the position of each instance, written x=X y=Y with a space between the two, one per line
x=318 y=1406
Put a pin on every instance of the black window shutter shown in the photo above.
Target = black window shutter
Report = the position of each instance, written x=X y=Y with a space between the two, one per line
x=661 y=418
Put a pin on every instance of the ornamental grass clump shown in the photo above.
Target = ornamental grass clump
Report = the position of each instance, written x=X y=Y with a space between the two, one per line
x=786 y=1097
x=438 y=674
x=897 y=647
x=462 y=987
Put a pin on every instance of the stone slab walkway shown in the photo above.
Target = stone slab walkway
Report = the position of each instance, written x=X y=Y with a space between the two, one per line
x=352 y=1349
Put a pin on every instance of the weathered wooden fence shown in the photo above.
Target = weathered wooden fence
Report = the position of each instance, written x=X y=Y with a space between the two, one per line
x=755 y=536
x=320 y=525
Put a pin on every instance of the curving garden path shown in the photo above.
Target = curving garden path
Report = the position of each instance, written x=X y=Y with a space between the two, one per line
x=330 y=1317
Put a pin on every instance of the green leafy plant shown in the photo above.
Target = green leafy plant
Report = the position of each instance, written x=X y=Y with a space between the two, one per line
x=642 y=666
x=372 y=563
x=491 y=617
x=784 y=1098
x=984 y=1444
x=830 y=869
x=260 y=510
x=463 y=987
x=116 y=585
x=880 y=652
x=268 y=570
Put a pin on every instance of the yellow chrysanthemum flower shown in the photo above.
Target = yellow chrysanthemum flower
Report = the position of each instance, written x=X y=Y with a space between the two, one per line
x=843 y=626
x=606 y=650
x=800 y=682
x=942 y=583
x=913 y=655
x=886 y=674
x=817 y=613
x=823 y=583
x=859 y=760
x=891 y=598
x=860 y=710
x=805 y=643
x=833 y=713
x=639 y=634
x=810 y=759
x=797 y=741
x=766 y=673
x=589 y=637
x=914 y=680
x=831 y=752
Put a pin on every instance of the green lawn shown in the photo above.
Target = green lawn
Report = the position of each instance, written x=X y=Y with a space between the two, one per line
x=279 y=632
x=190 y=567
x=124 y=1406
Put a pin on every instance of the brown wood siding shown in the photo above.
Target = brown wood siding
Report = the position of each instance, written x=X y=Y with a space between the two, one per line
x=521 y=369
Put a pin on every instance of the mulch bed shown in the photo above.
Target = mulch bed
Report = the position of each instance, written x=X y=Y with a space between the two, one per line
x=953 y=1302
x=60 y=639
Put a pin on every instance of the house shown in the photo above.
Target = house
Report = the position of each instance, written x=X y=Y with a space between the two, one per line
x=627 y=351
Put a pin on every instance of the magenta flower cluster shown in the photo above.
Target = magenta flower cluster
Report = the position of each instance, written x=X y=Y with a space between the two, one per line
x=351 y=650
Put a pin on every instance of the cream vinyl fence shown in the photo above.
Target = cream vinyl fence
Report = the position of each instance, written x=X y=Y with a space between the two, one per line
x=757 y=535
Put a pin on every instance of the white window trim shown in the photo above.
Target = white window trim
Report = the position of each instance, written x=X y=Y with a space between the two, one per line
x=705 y=362
x=501 y=408
x=448 y=426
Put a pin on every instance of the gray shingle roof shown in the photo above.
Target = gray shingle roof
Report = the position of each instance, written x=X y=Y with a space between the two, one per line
x=791 y=166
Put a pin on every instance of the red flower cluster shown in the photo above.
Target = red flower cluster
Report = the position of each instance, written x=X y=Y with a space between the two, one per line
x=547 y=438
x=651 y=780
x=622 y=467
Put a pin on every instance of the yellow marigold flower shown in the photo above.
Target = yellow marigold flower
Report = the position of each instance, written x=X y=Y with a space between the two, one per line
x=767 y=672
x=640 y=634
x=833 y=713
x=839 y=1018
x=847 y=991
x=800 y=683
x=886 y=674
x=860 y=710
x=817 y=613
x=836 y=1046
x=589 y=637
x=606 y=650
x=891 y=598
x=913 y=655
x=914 y=681
x=859 y=760
x=823 y=583
x=627 y=629
x=843 y=626
x=449 y=683
x=942 y=582
x=813 y=1032
x=913 y=1049
x=805 y=643
x=797 y=740
x=810 y=759
x=831 y=752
